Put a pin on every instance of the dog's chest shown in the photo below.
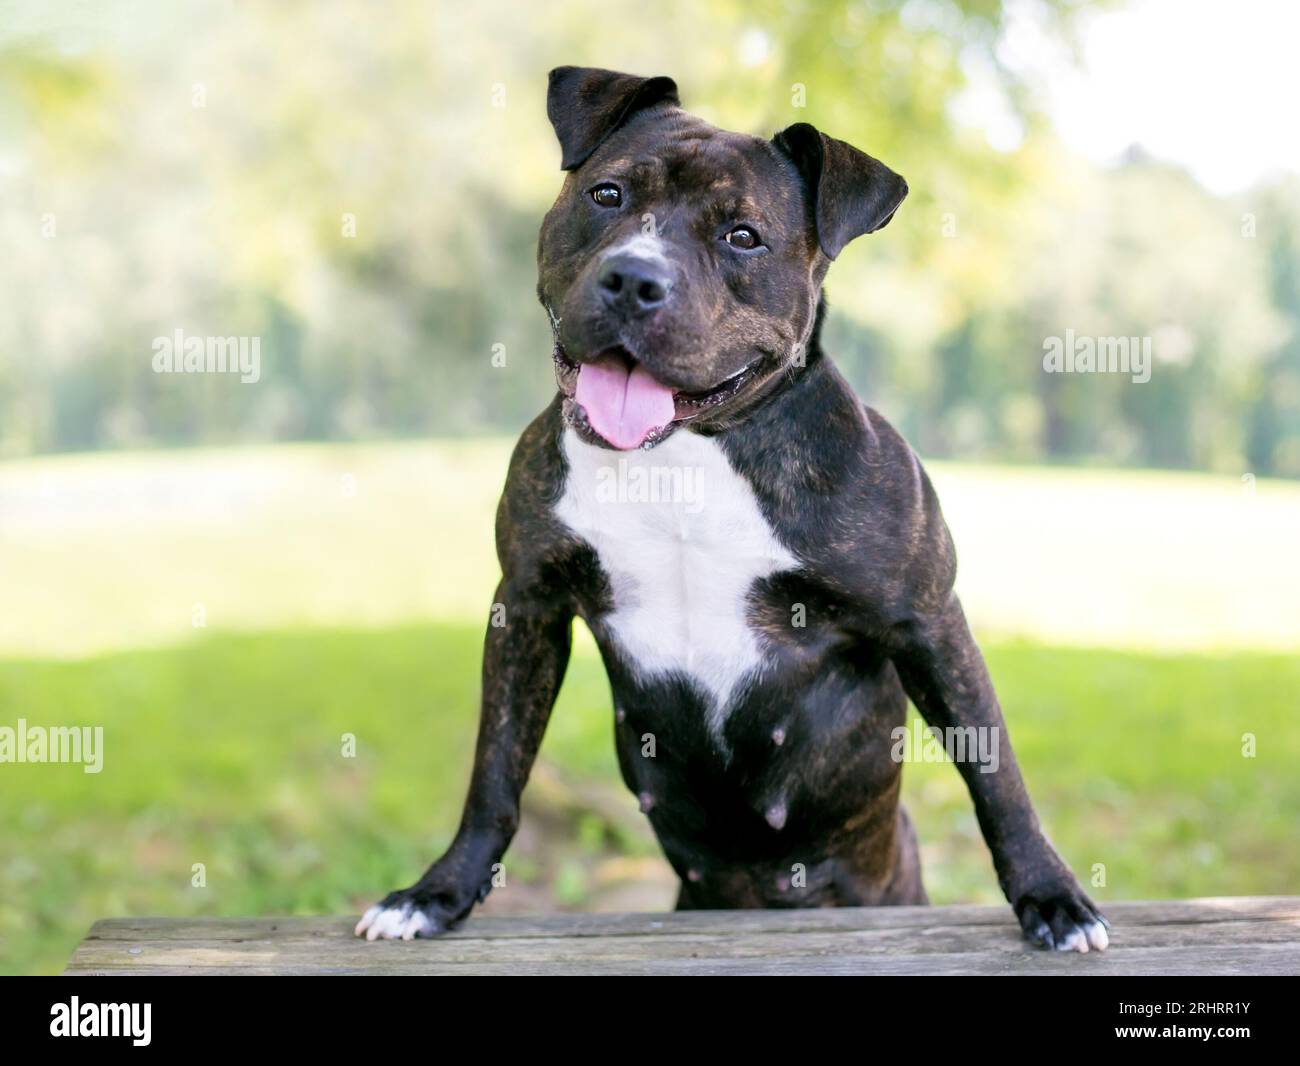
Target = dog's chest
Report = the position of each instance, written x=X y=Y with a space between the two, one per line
x=682 y=540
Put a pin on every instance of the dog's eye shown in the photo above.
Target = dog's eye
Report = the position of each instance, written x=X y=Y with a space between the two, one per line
x=607 y=195
x=743 y=237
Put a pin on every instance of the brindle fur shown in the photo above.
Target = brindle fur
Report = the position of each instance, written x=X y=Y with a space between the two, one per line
x=802 y=777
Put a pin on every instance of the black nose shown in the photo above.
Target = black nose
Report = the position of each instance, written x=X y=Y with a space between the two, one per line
x=633 y=285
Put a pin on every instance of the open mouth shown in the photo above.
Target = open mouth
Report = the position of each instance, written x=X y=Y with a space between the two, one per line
x=623 y=404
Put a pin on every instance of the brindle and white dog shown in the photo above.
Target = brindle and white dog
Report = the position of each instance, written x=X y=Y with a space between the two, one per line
x=768 y=626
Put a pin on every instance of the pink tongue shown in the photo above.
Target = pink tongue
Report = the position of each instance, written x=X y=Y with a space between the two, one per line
x=623 y=408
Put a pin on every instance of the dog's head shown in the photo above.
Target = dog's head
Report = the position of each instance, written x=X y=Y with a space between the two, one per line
x=682 y=264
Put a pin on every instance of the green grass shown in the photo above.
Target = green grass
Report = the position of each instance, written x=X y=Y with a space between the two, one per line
x=344 y=590
x=227 y=751
x=112 y=551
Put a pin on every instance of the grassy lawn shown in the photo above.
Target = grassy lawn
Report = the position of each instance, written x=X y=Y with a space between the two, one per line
x=342 y=591
x=228 y=752
x=113 y=551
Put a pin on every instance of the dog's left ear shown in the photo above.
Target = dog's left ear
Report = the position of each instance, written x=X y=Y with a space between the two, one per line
x=852 y=193
x=586 y=105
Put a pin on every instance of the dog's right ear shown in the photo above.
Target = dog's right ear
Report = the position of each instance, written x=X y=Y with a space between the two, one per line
x=586 y=105
x=852 y=193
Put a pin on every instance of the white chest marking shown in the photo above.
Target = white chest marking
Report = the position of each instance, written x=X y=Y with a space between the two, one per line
x=682 y=539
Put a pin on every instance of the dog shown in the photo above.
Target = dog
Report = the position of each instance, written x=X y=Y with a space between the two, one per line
x=761 y=558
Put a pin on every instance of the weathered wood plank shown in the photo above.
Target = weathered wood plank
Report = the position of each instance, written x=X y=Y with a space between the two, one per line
x=1159 y=912
x=1163 y=962
x=341 y=948
x=1192 y=936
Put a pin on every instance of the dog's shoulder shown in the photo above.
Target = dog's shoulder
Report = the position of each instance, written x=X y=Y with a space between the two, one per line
x=535 y=550
x=843 y=487
x=903 y=494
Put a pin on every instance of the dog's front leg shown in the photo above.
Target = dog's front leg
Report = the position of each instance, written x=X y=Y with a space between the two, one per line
x=944 y=674
x=523 y=665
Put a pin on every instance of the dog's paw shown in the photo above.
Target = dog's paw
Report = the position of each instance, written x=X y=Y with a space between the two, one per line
x=1065 y=920
x=414 y=912
x=400 y=922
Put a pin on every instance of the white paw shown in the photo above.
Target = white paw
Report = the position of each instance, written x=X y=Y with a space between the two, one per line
x=403 y=922
x=1091 y=936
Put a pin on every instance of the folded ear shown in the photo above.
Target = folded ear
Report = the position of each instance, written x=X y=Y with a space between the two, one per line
x=586 y=105
x=852 y=193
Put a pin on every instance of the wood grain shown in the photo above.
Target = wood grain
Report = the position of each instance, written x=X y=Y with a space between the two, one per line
x=1206 y=936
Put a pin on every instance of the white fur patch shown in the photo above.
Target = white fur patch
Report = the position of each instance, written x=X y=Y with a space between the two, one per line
x=1083 y=938
x=1097 y=937
x=682 y=539
x=643 y=246
x=392 y=923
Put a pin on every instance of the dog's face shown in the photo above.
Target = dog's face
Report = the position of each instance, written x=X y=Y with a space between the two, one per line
x=681 y=264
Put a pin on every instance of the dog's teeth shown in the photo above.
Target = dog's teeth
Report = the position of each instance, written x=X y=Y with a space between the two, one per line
x=776 y=815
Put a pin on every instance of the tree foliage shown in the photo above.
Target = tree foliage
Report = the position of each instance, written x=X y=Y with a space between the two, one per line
x=360 y=188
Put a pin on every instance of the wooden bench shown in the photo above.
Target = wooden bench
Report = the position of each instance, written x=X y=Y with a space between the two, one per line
x=1205 y=936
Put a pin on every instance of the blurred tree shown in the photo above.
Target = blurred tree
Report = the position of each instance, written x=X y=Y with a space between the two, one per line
x=363 y=194
x=1274 y=390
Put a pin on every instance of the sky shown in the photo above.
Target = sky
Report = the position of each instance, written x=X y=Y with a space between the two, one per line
x=1211 y=84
